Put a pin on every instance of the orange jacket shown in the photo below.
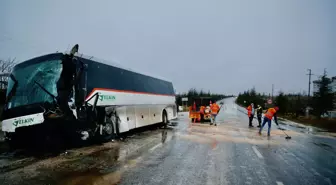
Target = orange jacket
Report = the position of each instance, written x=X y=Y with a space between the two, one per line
x=202 y=109
x=214 y=108
x=270 y=113
x=249 y=110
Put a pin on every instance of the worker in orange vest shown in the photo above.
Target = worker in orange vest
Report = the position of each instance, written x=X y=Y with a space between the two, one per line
x=214 y=111
x=268 y=118
x=202 y=109
x=250 y=114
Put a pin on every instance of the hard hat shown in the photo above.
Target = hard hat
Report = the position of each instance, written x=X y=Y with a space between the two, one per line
x=276 y=108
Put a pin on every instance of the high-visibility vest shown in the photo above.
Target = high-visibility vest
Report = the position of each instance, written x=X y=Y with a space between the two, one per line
x=270 y=113
x=214 y=108
x=249 y=110
x=202 y=109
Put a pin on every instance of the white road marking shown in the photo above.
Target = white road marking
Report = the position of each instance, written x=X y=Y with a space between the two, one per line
x=279 y=183
x=156 y=146
x=257 y=152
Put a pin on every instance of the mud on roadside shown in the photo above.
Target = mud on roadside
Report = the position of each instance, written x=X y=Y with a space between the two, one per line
x=77 y=166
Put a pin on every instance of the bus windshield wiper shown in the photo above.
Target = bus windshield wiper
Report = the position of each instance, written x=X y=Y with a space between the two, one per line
x=46 y=91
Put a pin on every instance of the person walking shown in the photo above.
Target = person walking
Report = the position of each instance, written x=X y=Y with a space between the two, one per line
x=259 y=115
x=250 y=114
x=268 y=118
x=214 y=111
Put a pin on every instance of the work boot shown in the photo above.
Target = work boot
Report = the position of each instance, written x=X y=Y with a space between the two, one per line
x=259 y=133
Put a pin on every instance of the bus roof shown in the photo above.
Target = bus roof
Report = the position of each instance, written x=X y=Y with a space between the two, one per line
x=110 y=63
x=118 y=65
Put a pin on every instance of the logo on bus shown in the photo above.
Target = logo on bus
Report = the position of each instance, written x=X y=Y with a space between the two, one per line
x=23 y=121
x=106 y=97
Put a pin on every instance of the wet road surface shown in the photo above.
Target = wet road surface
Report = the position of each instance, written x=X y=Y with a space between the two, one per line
x=232 y=153
x=92 y=164
x=188 y=153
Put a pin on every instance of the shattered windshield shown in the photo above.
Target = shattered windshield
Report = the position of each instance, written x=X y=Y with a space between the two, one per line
x=46 y=73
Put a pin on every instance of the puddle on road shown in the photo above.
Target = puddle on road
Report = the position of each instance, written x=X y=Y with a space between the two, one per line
x=174 y=123
x=164 y=134
x=111 y=172
x=107 y=156
x=93 y=177
x=105 y=168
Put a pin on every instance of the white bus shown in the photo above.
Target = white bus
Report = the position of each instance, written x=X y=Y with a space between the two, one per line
x=106 y=100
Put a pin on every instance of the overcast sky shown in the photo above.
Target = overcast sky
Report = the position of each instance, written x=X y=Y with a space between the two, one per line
x=218 y=45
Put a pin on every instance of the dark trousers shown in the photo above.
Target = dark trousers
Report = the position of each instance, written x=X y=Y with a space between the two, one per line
x=269 y=121
x=259 y=120
x=251 y=119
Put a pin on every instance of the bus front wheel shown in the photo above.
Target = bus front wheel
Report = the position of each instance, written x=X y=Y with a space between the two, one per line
x=110 y=127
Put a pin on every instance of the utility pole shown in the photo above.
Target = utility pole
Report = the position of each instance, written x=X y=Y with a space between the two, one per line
x=309 y=74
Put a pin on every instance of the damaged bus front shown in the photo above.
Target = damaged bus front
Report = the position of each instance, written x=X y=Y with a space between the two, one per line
x=40 y=94
x=25 y=94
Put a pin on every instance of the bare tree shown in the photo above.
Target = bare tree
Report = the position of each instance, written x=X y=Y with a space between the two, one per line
x=6 y=67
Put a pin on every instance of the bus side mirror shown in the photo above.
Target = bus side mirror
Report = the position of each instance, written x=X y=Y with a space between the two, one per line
x=74 y=50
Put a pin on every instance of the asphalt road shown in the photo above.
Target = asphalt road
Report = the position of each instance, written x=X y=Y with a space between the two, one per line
x=232 y=153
